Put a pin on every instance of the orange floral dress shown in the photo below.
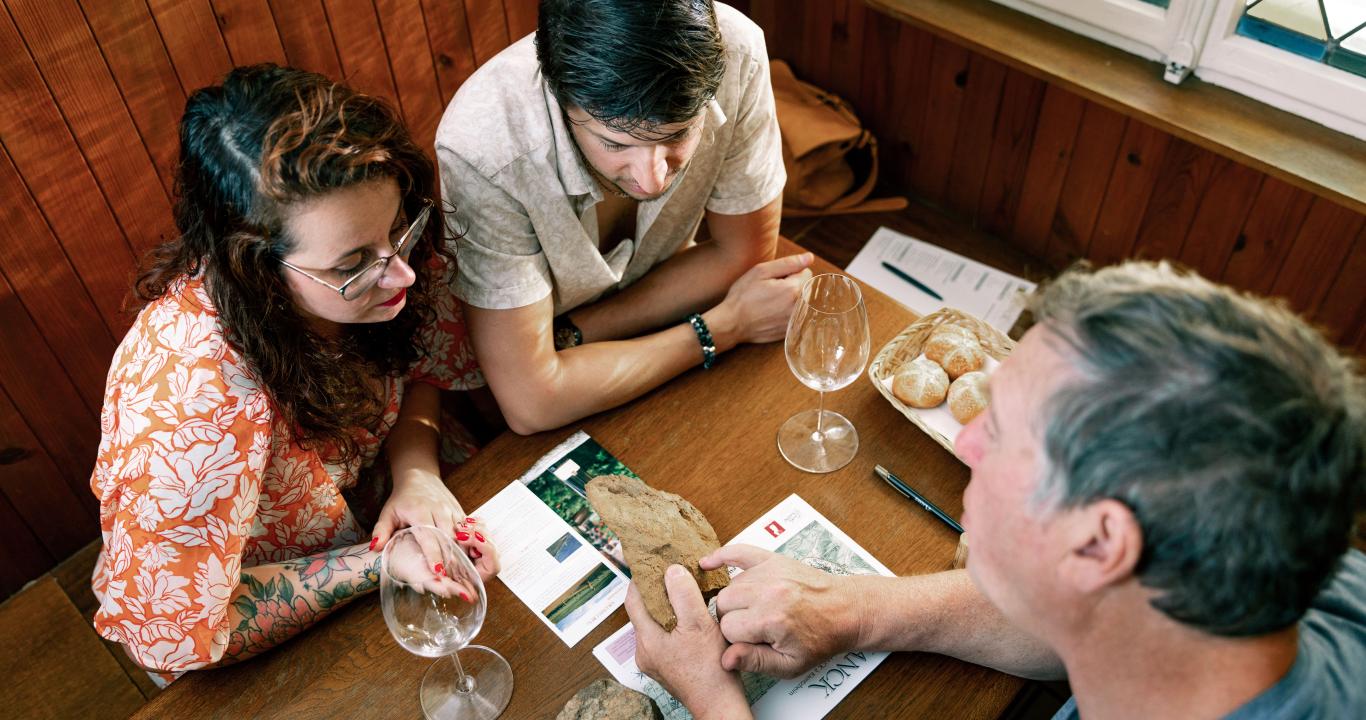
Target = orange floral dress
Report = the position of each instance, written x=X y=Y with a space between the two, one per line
x=195 y=482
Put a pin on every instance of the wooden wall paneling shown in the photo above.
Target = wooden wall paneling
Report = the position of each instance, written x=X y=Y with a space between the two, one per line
x=62 y=521
x=521 y=18
x=306 y=36
x=248 y=29
x=360 y=45
x=190 y=32
x=22 y=557
x=132 y=47
x=448 y=35
x=410 y=58
x=846 y=50
x=784 y=27
x=1272 y=223
x=764 y=13
x=874 y=96
x=1127 y=195
x=1011 y=141
x=50 y=289
x=1316 y=256
x=1093 y=159
x=488 y=28
x=1342 y=311
x=1049 y=156
x=1181 y=182
x=972 y=148
x=817 y=30
x=45 y=155
x=75 y=72
x=910 y=81
x=943 y=105
x=33 y=376
x=1218 y=221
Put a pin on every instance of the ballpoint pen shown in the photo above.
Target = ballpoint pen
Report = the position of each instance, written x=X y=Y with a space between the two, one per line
x=919 y=499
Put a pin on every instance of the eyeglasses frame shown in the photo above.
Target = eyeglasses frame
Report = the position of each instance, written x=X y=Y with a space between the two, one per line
x=418 y=225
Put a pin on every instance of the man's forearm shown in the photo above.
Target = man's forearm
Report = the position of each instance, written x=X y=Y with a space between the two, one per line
x=944 y=613
x=691 y=281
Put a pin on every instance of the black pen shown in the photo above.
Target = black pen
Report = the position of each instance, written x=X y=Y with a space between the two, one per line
x=919 y=499
x=919 y=285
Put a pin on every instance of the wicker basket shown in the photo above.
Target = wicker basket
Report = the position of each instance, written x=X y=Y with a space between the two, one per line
x=908 y=345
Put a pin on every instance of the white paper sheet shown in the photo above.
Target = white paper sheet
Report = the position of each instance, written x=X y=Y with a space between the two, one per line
x=981 y=290
x=792 y=528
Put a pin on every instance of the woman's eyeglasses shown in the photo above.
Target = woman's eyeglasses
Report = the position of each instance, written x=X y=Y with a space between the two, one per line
x=365 y=278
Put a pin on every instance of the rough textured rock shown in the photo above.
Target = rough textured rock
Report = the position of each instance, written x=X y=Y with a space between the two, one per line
x=657 y=529
x=608 y=700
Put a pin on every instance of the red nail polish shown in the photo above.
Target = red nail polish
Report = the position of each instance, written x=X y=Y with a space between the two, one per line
x=372 y=542
x=464 y=596
x=474 y=553
x=439 y=568
x=479 y=537
x=462 y=536
x=471 y=520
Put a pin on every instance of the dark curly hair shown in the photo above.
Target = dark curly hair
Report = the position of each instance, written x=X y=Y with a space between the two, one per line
x=266 y=138
x=631 y=64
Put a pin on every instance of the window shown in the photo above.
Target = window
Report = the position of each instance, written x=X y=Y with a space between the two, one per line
x=1307 y=57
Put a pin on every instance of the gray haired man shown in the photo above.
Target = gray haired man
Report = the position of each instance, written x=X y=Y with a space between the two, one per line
x=1160 y=505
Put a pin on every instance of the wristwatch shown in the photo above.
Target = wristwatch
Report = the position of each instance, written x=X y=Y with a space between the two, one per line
x=567 y=334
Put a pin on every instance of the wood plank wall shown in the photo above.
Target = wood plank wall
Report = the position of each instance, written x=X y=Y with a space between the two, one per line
x=91 y=91
x=1063 y=177
x=90 y=94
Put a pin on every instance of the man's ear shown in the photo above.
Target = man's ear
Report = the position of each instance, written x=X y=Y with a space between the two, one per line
x=1105 y=544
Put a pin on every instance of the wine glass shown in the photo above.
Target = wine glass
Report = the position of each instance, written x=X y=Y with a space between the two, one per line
x=434 y=604
x=827 y=346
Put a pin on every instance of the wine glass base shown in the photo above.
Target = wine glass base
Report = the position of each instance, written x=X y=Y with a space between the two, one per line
x=489 y=687
x=823 y=452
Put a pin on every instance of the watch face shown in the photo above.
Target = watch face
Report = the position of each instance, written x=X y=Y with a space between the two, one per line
x=565 y=338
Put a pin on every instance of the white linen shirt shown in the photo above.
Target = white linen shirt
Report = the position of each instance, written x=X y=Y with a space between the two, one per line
x=525 y=201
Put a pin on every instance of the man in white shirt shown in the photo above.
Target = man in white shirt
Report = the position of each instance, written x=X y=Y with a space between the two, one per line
x=1162 y=492
x=582 y=161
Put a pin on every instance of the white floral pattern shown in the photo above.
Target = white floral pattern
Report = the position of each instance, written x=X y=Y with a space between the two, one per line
x=195 y=482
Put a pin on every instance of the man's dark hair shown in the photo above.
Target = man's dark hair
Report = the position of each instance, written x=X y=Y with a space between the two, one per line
x=631 y=64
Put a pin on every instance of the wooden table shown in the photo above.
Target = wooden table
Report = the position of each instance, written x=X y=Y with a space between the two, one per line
x=711 y=437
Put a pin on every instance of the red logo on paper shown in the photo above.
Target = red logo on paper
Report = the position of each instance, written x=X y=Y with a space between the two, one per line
x=774 y=529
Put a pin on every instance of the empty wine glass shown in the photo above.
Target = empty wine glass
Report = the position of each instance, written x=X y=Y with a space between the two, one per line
x=434 y=604
x=827 y=346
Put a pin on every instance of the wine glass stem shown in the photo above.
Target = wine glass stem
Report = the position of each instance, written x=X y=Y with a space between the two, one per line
x=820 y=415
x=464 y=684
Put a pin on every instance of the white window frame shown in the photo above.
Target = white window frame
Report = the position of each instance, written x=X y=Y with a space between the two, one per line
x=1201 y=36
x=1319 y=92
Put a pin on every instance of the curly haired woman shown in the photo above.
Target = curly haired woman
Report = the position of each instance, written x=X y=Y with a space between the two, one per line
x=300 y=324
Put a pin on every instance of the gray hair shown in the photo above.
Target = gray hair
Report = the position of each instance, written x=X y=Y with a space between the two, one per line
x=1230 y=427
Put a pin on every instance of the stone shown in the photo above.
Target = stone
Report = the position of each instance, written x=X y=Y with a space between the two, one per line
x=657 y=529
x=609 y=700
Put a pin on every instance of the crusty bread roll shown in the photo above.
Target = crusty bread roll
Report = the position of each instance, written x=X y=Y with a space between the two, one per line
x=920 y=383
x=968 y=396
x=964 y=359
x=946 y=337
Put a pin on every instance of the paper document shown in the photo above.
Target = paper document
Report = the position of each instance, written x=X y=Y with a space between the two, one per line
x=796 y=530
x=557 y=556
x=981 y=290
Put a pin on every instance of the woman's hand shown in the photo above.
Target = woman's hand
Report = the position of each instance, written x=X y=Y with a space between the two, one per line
x=418 y=498
x=687 y=661
x=472 y=537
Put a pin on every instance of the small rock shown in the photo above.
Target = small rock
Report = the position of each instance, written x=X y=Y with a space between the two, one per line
x=608 y=700
x=657 y=529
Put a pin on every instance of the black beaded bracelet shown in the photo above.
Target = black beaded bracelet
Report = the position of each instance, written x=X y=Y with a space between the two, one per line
x=699 y=326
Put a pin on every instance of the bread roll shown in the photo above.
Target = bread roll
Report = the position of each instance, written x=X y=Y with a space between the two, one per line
x=946 y=337
x=968 y=396
x=964 y=359
x=956 y=350
x=920 y=383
